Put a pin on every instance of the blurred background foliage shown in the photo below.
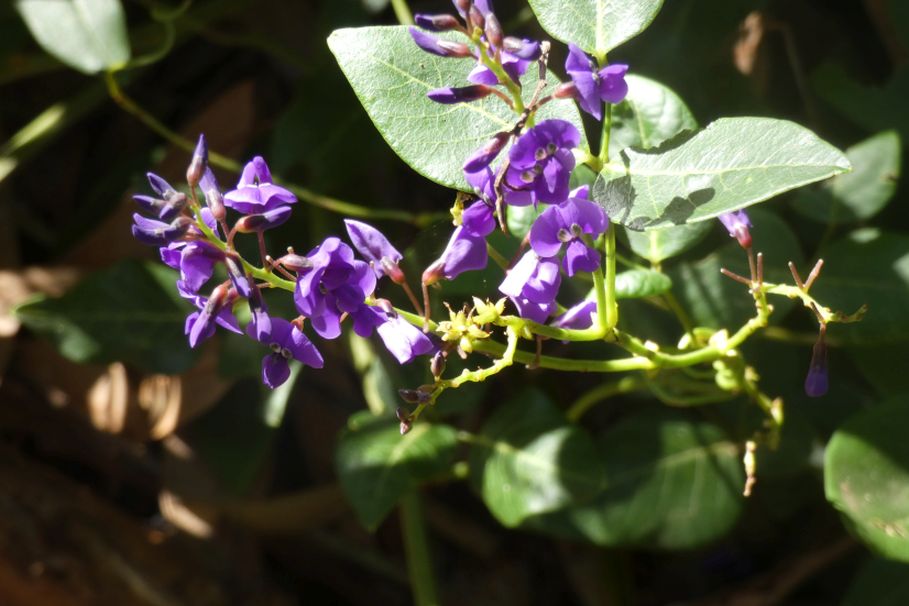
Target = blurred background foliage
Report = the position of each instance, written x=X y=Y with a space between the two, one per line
x=138 y=471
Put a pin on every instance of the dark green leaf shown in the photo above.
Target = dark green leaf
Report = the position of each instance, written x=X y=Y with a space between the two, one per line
x=862 y=193
x=876 y=365
x=879 y=583
x=870 y=268
x=714 y=300
x=875 y=108
x=637 y=283
x=657 y=245
x=87 y=35
x=376 y=464
x=866 y=477
x=671 y=483
x=391 y=77
x=129 y=312
x=651 y=114
x=731 y=164
x=528 y=460
x=597 y=26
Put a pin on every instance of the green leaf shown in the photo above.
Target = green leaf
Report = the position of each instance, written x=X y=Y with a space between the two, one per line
x=714 y=300
x=876 y=365
x=671 y=483
x=650 y=115
x=597 y=26
x=528 y=460
x=391 y=77
x=130 y=312
x=872 y=268
x=376 y=464
x=520 y=218
x=862 y=193
x=866 y=477
x=731 y=164
x=875 y=108
x=879 y=583
x=87 y=35
x=637 y=283
x=657 y=245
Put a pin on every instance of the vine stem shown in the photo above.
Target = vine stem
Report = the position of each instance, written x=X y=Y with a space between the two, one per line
x=603 y=392
x=416 y=548
x=119 y=96
x=402 y=12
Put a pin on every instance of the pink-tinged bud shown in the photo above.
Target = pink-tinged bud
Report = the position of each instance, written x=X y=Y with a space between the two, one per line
x=261 y=222
x=462 y=94
x=494 y=30
x=436 y=23
x=437 y=46
x=437 y=365
x=737 y=224
x=405 y=419
x=295 y=263
x=463 y=6
x=215 y=202
x=565 y=90
x=816 y=383
x=198 y=163
x=481 y=158
x=392 y=270
x=475 y=19
x=522 y=48
x=433 y=273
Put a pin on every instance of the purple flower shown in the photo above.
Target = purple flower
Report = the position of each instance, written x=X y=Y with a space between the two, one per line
x=464 y=94
x=595 y=86
x=404 y=340
x=466 y=250
x=195 y=261
x=216 y=309
x=337 y=284
x=212 y=193
x=541 y=163
x=737 y=224
x=255 y=191
x=436 y=23
x=198 y=163
x=816 y=383
x=286 y=342
x=376 y=249
x=566 y=224
x=515 y=62
x=580 y=316
x=437 y=46
x=532 y=284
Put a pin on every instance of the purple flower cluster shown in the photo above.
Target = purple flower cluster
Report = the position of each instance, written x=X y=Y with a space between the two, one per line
x=330 y=283
x=482 y=28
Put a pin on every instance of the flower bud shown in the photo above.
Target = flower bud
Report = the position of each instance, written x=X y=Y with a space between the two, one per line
x=463 y=94
x=737 y=224
x=475 y=19
x=167 y=209
x=436 y=23
x=261 y=222
x=493 y=30
x=405 y=419
x=159 y=233
x=481 y=158
x=522 y=48
x=414 y=396
x=237 y=276
x=198 y=163
x=212 y=193
x=437 y=364
x=463 y=7
x=437 y=46
x=295 y=263
x=816 y=383
x=565 y=90
x=161 y=187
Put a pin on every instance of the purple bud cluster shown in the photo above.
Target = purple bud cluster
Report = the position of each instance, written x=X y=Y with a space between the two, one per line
x=331 y=285
x=482 y=28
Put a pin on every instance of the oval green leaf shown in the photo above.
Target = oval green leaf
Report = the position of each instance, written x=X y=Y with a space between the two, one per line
x=862 y=193
x=391 y=77
x=130 y=312
x=528 y=460
x=637 y=283
x=879 y=583
x=597 y=26
x=731 y=164
x=671 y=483
x=87 y=35
x=376 y=465
x=866 y=477
x=651 y=114
x=657 y=245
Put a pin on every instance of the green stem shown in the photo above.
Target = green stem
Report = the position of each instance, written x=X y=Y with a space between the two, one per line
x=612 y=308
x=326 y=202
x=604 y=138
x=503 y=77
x=402 y=12
x=603 y=392
x=416 y=547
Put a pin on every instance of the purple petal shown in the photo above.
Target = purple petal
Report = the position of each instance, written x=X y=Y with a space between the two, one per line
x=543 y=285
x=482 y=75
x=479 y=219
x=404 y=340
x=613 y=87
x=544 y=233
x=535 y=312
x=580 y=257
x=371 y=244
x=517 y=276
x=463 y=94
x=580 y=316
x=275 y=370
